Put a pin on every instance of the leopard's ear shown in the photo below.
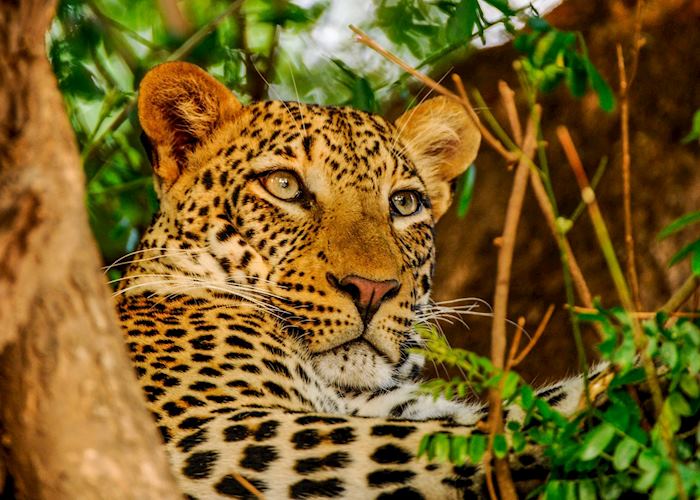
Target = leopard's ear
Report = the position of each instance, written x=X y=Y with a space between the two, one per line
x=442 y=141
x=179 y=106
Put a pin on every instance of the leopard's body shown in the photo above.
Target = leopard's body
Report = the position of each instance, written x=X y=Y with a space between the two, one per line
x=273 y=337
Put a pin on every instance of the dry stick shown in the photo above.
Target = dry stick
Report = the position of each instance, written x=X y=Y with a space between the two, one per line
x=364 y=39
x=588 y=196
x=512 y=353
x=642 y=314
x=625 y=84
x=626 y=187
x=538 y=333
x=247 y=485
x=508 y=98
x=500 y=300
x=548 y=212
x=640 y=340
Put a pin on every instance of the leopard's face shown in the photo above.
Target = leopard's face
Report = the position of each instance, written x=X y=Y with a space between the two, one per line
x=322 y=215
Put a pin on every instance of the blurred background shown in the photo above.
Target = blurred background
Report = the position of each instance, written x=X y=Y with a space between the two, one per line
x=303 y=50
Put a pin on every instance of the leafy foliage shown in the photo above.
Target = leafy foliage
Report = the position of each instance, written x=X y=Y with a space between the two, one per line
x=692 y=249
x=602 y=452
x=552 y=56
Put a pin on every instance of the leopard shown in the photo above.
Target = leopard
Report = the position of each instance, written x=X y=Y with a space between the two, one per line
x=272 y=309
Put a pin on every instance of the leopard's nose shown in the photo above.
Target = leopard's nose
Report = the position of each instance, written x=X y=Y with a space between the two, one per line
x=367 y=294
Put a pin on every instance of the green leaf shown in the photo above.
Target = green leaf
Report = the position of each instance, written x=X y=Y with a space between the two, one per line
x=439 y=447
x=466 y=191
x=694 y=133
x=665 y=487
x=693 y=247
x=363 y=96
x=679 y=405
x=695 y=263
x=458 y=450
x=586 y=490
x=606 y=99
x=651 y=466
x=538 y=24
x=596 y=441
x=527 y=397
x=460 y=25
x=625 y=453
x=510 y=385
x=519 y=442
x=500 y=446
x=689 y=385
x=576 y=75
x=477 y=447
x=678 y=224
x=669 y=354
x=424 y=444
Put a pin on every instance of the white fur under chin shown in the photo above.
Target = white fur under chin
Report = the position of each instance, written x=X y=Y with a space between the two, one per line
x=364 y=369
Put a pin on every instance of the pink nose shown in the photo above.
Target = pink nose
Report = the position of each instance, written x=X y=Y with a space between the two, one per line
x=366 y=294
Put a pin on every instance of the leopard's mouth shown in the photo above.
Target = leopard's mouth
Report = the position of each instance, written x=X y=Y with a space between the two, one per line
x=356 y=364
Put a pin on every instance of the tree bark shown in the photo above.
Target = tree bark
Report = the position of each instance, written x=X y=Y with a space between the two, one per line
x=72 y=420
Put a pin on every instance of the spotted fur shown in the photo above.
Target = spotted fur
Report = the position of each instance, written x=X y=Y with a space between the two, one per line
x=260 y=363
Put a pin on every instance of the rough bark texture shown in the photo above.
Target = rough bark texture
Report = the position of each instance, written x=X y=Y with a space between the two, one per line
x=665 y=178
x=72 y=421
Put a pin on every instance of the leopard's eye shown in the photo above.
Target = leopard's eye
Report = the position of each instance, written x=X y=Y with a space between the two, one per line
x=405 y=203
x=283 y=184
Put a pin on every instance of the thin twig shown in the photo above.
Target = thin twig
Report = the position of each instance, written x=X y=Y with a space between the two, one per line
x=500 y=301
x=538 y=333
x=642 y=314
x=364 y=39
x=538 y=188
x=625 y=84
x=508 y=98
x=639 y=338
x=616 y=273
x=512 y=353
x=548 y=211
x=626 y=187
x=681 y=295
x=247 y=485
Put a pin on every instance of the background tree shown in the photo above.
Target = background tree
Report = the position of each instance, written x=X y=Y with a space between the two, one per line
x=72 y=424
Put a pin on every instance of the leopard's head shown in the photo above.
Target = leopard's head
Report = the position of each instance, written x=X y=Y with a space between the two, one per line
x=322 y=215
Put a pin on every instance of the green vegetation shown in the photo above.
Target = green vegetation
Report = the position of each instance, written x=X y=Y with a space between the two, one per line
x=101 y=48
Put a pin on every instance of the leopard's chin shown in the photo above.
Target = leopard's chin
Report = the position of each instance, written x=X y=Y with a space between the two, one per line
x=355 y=365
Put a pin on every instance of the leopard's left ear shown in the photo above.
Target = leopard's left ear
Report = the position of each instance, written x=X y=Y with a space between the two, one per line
x=180 y=105
x=442 y=141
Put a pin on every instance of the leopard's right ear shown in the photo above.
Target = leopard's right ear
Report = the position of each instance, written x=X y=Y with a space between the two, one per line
x=180 y=105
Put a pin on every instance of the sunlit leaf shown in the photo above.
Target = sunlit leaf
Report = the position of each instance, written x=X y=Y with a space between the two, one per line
x=625 y=453
x=458 y=450
x=596 y=441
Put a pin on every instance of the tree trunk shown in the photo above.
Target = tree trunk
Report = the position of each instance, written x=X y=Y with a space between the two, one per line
x=72 y=421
